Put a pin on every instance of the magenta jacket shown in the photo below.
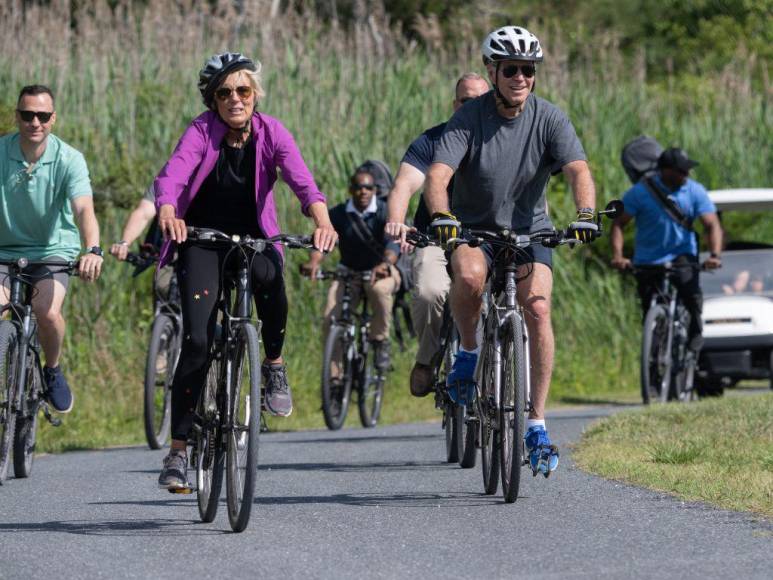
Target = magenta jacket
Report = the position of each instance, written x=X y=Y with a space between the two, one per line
x=196 y=155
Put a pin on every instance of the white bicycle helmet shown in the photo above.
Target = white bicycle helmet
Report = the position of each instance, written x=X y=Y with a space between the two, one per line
x=218 y=67
x=511 y=43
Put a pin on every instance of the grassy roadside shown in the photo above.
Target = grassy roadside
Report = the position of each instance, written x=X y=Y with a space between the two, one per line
x=719 y=451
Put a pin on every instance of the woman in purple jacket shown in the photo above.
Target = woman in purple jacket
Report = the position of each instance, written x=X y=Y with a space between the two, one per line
x=221 y=176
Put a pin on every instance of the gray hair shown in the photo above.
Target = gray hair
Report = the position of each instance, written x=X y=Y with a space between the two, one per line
x=468 y=76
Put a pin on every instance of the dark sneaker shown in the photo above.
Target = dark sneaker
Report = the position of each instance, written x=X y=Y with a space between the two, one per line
x=174 y=475
x=421 y=380
x=59 y=394
x=279 y=400
x=543 y=456
x=461 y=379
x=381 y=348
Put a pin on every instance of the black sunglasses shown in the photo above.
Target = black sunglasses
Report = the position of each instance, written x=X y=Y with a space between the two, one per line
x=28 y=116
x=365 y=186
x=528 y=70
x=243 y=92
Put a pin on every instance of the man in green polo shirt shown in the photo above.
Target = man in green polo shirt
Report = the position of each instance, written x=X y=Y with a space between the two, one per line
x=44 y=191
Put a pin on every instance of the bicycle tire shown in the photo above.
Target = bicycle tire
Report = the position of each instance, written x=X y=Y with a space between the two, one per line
x=210 y=455
x=513 y=408
x=453 y=453
x=489 y=433
x=243 y=434
x=26 y=432
x=8 y=350
x=370 y=391
x=162 y=354
x=450 y=409
x=336 y=397
x=655 y=371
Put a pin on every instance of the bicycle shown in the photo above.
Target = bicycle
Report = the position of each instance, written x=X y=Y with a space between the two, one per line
x=502 y=378
x=667 y=364
x=22 y=386
x=163 y=353
x=347 y=347
x=228 y=414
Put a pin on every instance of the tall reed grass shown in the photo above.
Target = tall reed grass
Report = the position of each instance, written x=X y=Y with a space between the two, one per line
x=125 y=79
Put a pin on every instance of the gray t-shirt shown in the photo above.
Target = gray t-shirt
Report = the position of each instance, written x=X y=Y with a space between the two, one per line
x=503 y=165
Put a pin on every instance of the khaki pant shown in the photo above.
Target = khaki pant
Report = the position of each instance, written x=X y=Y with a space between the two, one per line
x=381 y=297
x=431 y=284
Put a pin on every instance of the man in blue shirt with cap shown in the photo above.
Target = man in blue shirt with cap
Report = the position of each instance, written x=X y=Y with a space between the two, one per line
x=664 y=207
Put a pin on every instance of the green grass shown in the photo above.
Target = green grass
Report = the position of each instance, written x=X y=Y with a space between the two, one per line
x=719 y=451
x=125 y=92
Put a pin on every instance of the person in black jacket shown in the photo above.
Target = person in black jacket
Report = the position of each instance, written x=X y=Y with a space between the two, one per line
x=364 y=246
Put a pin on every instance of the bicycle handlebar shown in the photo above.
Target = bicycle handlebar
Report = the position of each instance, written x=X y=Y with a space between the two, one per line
x=364 y=275
x=68 y=266
x=475 y=237
x=291 y=241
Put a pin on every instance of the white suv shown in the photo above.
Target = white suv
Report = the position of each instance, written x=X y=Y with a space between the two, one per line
x=738 y=304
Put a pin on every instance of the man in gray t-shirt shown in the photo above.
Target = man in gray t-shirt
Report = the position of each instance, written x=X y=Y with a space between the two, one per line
x=501 y=149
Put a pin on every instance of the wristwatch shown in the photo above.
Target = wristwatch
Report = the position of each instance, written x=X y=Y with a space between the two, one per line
x=96 y=250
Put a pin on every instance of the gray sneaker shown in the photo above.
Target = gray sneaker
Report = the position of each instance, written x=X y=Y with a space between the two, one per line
x=174 y=475
x=279 y=400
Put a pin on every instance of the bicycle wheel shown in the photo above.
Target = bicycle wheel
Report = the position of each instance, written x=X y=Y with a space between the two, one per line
x=655 y=358
x=244 y=429
x=209 y=448
x=513 y=407
x=489 y=431
x=450 y=410
x=370 y=391
x=8 y=350
x=27 y=424
x=336 y=378
x=159 y=372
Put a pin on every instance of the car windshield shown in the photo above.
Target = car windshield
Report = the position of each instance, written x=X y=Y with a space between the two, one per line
x=743 y=272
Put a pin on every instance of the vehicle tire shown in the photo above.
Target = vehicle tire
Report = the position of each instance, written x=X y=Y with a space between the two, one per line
x=210 y=453
x=489 y=430
x=655 y=361
x=370 y=392
x=770 y=367
x=450 y=409
x=513 y=407
x=27 y=424
x=8 y=362
x=336 y=393
x=450 y=426
x=242 y=440
x=159 y=371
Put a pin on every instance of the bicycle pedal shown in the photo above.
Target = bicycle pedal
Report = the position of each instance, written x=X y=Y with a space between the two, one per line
x=54 y=421
x=187 y=490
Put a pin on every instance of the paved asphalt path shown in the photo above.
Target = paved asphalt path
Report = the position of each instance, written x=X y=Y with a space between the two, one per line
x=360 y=504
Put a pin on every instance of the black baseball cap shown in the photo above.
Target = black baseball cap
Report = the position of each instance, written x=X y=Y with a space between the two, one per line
x=677 y=159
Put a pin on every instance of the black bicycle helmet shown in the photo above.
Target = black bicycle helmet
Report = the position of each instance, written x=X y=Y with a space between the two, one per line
x=217 y=68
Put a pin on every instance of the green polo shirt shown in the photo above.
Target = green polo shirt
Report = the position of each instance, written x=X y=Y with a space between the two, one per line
x=36 y=218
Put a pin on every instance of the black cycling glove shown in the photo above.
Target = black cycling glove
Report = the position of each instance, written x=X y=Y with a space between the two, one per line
x=583 y=228
x=445 y=226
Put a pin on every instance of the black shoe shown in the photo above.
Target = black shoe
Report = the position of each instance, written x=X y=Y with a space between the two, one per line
x=174 y=475
x=59 y=394
x=381 y=348
x=279 y=399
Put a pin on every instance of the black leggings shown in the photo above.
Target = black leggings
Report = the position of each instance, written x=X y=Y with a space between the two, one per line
x=198 y=275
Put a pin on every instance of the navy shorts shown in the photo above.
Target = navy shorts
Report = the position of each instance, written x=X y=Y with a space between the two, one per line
x=533 y=254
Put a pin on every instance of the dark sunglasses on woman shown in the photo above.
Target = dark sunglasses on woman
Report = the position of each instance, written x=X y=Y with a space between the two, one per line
x=27 y=116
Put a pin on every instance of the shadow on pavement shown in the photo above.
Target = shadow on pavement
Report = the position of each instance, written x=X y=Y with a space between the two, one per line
x=114 y=527
x=383 y=438
x=402 y=500
x=358 y=467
